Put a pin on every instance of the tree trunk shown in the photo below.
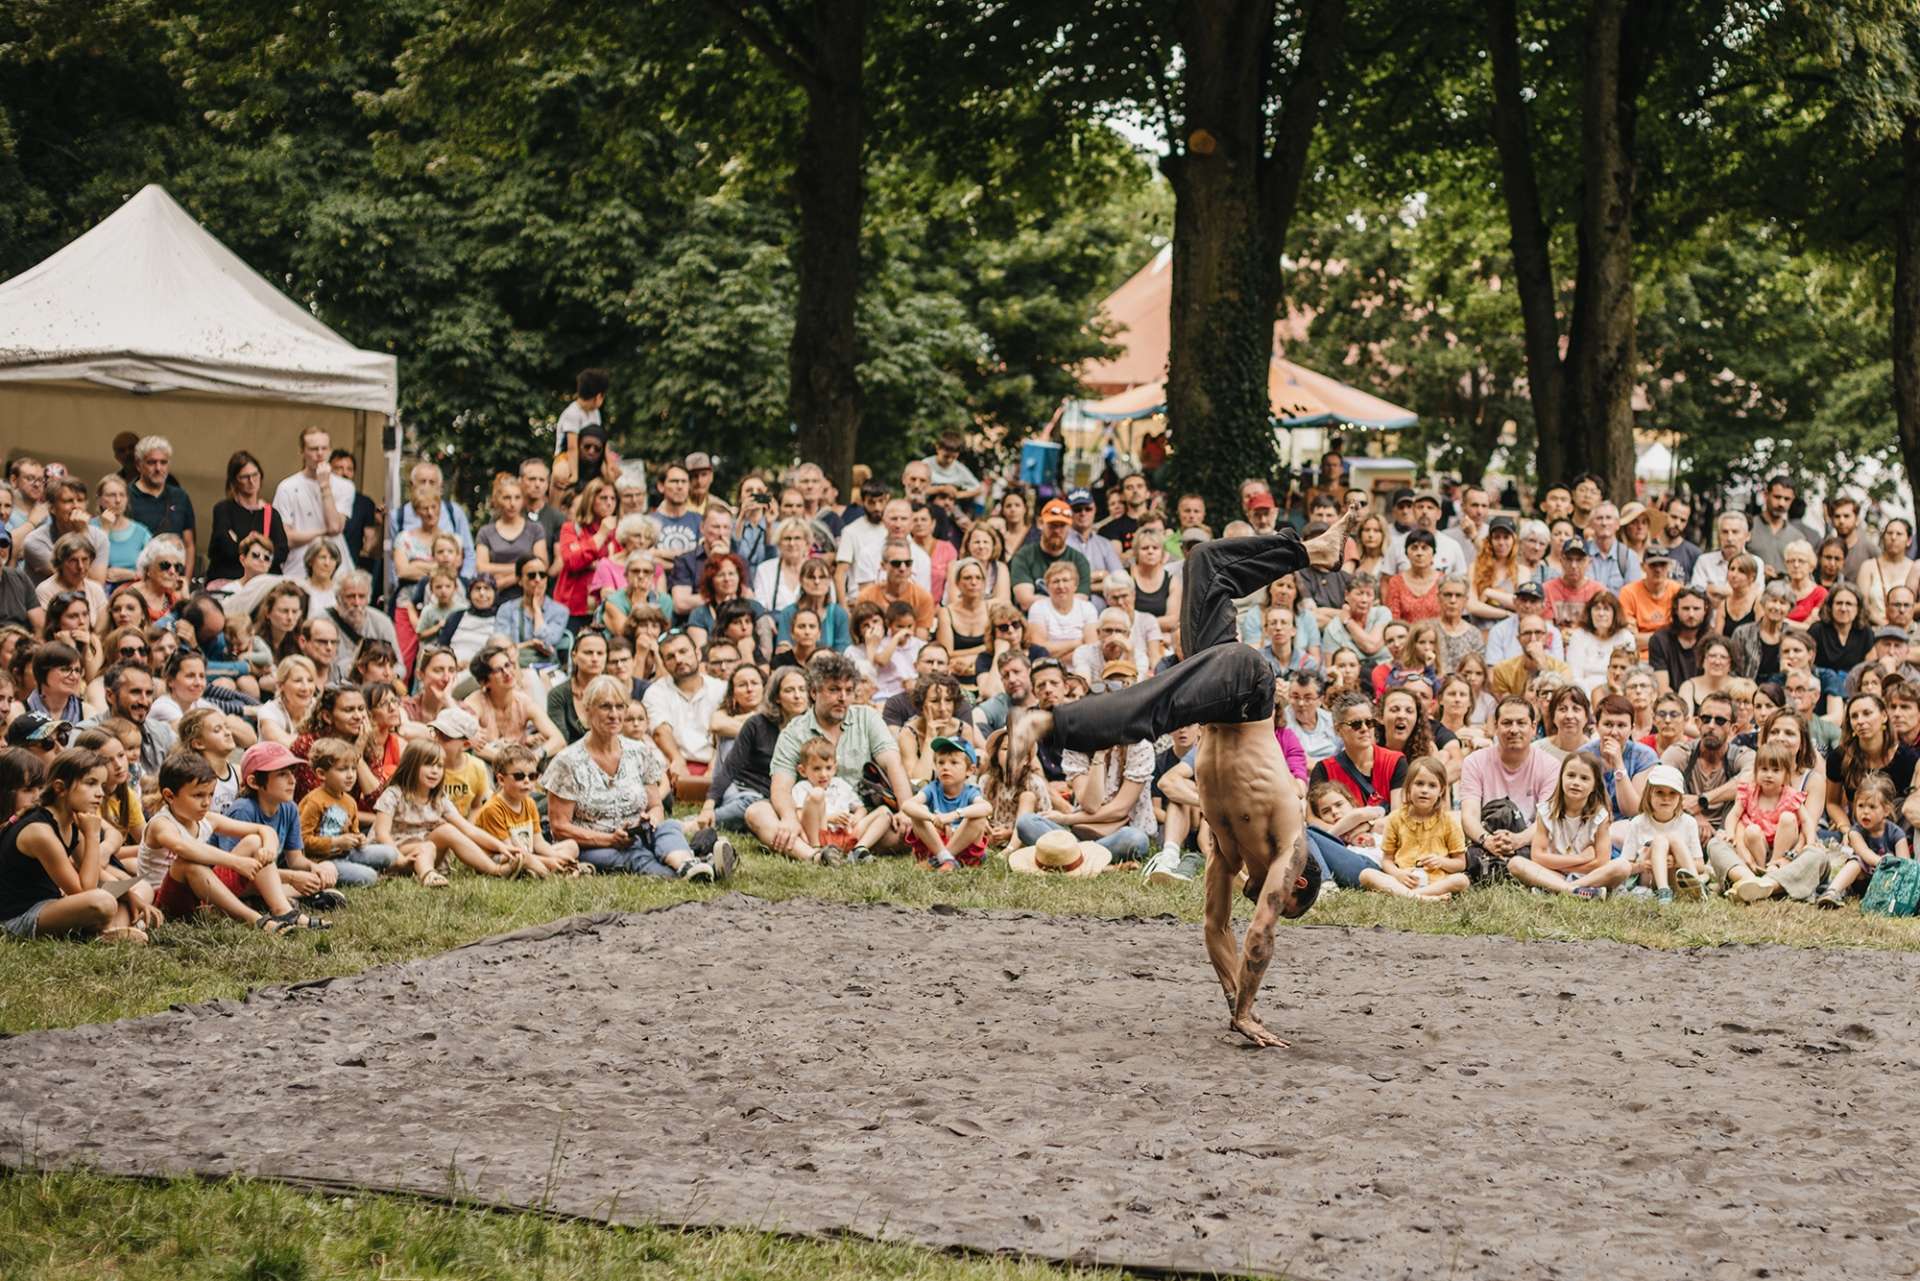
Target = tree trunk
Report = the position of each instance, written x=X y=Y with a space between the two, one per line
x=1527 y=228
x=1602 y=352
x=1233 y=204
x=829 y=184
x=1906 y=308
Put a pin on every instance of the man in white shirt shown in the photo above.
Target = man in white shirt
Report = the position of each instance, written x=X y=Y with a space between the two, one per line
x=680 y=710
x=1730 y=542
x=863 y=545
x=313 y=504
x=1447 y=559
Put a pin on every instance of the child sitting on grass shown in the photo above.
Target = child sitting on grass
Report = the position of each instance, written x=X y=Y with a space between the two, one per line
x=1572 y=834
x=1661 y=843
x=511 y=817
x=832 y=818
x=1764 y=825
x=1425 y=848
x=416 y=817
x=204 y=732
x=123 y=823
x=330 y=818
x=1873 y=836
x=1333 y=822
x=186 y=869
x=266 y=798
x=949 y=815
x=53 y=878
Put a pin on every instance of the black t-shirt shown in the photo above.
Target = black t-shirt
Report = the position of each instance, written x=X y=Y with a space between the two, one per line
x=1899 y=769
x=1679 y=662
x=16 y=595
x=1841 y=656
x=750 y=760
x=1769 y=662
x=1326 y=588
x=1442 y=736
x=1119 y=531
x=23 y=881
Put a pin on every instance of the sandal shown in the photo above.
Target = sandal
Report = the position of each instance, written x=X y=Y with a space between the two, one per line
x=123 y=934
x=275 y=925
x=433 y=881
x=298 y=920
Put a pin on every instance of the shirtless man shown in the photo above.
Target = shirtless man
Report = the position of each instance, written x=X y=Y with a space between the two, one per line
x=1247 y=794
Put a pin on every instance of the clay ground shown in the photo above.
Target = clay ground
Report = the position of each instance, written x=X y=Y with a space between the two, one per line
x=1470 y=1107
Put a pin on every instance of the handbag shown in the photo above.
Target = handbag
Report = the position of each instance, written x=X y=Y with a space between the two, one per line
x=1497 y=814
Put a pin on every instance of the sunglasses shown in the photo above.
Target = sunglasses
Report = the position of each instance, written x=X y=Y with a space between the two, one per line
x=1366 y=723
x=1716 y=720
x=901 y=564
x=1007 y=627
x=520 y=775
x=132 y=651
x=169 y=566
x=533 y=573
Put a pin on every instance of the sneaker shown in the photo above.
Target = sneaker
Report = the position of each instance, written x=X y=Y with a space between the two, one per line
x=1755 y=888
x=860 y=854
x=1641 y=891
x=1690 y=884
x=698 y=870
x=1663 y=896
x=947 y=864
x=1590 y=891
x=323 y=901
x=1159 y=869
x=831 y=856
x=1193 y=863
x=724 y=859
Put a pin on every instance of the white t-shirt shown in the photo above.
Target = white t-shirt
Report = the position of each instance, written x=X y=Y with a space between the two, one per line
x=863 y=545
x=297 y=500
x=572 y=419
x=1682 y=831
x=155 y=861
x=839 y=793
x=1056 y=626
x=691 y=719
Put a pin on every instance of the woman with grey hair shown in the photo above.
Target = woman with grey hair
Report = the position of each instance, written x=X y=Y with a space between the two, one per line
x=163 y=576
x=1756 y=645
x=605 y=793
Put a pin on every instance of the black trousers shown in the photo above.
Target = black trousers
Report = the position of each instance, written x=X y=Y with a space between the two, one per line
x=1220 y=681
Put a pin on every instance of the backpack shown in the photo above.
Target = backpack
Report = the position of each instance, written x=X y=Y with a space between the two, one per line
x=1497 y=814
x=1895 y=888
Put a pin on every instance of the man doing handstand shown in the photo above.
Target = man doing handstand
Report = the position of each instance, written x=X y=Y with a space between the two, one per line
x=1247 y=793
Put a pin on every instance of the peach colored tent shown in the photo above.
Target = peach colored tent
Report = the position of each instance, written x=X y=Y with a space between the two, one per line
x=1300 y=398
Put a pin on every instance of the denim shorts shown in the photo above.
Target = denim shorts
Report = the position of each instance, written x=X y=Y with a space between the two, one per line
x=27 y=924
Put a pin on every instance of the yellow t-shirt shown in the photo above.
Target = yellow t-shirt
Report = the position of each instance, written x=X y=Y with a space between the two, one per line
x=1411 y=839
x=516 y=827
x=469 y=786
x=122 y=810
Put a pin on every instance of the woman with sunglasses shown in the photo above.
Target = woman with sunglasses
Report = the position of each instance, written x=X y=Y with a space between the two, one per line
x=163 y=577
x=535 y=623
x=506 y=714
x=816 y=594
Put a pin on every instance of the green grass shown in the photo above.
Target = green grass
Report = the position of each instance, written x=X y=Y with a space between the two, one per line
x=87 y=1228
x=69 y=1225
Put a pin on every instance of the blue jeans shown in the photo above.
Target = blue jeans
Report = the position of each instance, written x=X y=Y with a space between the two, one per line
x=1127 y=845
x=1338 y=861
x=640 y=859
x=357 y=869
x=730 y=815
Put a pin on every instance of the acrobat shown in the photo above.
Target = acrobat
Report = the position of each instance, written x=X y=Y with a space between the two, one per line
x=1247 y=794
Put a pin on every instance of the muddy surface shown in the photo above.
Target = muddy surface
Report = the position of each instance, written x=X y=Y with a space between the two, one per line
x=1457 y=1107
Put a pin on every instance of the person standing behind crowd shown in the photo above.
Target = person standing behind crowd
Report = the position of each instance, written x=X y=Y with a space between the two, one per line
x=156 y=499
x=584 y=541
x=242 y=512
x=125 y=536
x=313 y=504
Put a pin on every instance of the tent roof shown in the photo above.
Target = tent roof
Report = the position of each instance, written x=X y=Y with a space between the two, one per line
x=149 y=301
x=1142 y=309
x=1299 y=396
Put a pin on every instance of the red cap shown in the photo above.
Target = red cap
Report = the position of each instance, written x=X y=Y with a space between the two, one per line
x=1260 y=501
x=1056 y=512
x=265 y=758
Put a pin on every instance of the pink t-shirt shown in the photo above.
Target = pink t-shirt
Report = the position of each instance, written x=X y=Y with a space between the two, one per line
x=1483 y=778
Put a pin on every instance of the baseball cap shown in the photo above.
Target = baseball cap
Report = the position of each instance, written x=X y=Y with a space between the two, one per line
x=1531 y=590
x=1666 y=776
x=1890 y=633
x=34 y=727
x=698 y=461
x=1260 y=501
x=1573 y=547
x=1079 y=498
x=1119 y=667
x=1056 y=513
x=1193 y=535
x=266 y=757
x=1503 y=522
x=1401 y=496
x=1655 y=552
x=1427 y=496
x=456 y=722
x=961 y=745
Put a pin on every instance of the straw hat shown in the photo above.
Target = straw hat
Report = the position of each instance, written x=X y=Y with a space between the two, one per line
x=1060 y=854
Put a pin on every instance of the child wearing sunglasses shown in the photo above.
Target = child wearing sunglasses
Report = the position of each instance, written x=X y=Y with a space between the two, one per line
x=510 y=815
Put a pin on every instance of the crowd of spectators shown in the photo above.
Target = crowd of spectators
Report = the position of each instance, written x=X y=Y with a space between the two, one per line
x=253 y=712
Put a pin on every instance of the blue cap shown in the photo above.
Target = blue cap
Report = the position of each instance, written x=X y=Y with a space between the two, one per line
x=1079 y=498
x=957 y=745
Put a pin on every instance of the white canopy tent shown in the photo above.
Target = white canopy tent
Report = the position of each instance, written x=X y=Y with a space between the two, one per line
x=147 y=324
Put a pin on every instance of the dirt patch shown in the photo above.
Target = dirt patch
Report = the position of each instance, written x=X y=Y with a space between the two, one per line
x=1469 y=1107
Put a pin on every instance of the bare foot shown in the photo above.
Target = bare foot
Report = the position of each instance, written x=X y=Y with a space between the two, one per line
x=1248 y=1026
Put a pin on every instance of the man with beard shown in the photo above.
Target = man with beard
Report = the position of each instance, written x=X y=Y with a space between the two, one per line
x=358 y=624
x=129 y=689
x=1028 y=568
x=1247 y=791
x=863 y=747
x=1711 y=766
x=1674 y=649
x=680 y=709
